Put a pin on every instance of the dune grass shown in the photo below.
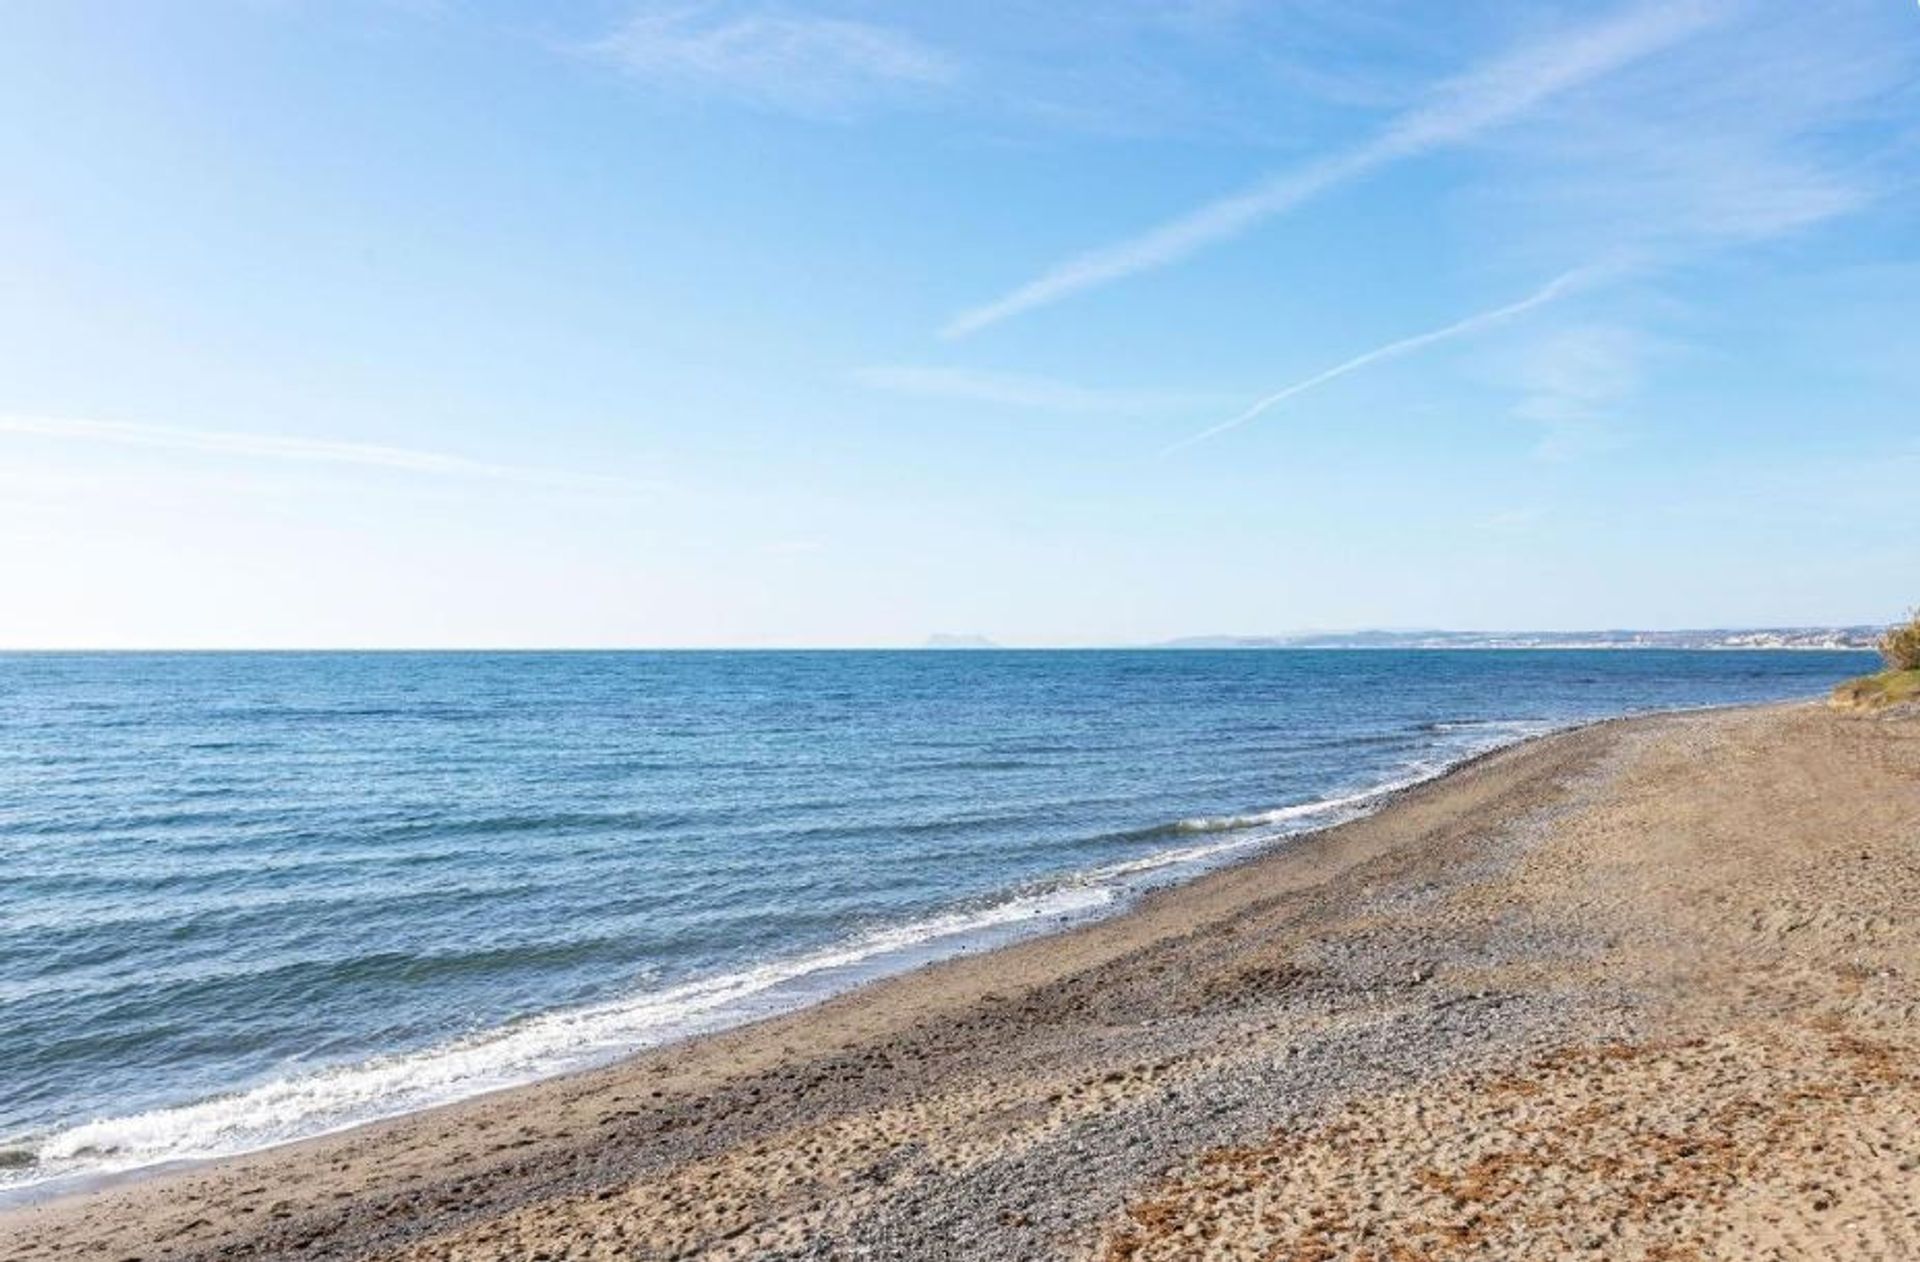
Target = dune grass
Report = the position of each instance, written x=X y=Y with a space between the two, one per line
x=1900 y=681
x=1874 y=692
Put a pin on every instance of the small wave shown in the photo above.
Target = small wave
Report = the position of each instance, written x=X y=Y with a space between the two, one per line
x=1302 y=810
x=1261 y=819
x=1450 y=726
x=1484 y=736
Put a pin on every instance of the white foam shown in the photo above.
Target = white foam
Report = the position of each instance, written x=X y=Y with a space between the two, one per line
x=328 y=1100
x=1285 y=814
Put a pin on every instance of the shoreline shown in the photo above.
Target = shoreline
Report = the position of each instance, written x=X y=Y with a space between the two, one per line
x=1033 y=1098
x=1154 y=873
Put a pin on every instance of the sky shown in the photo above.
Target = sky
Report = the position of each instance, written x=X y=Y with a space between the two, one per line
x=367 y=323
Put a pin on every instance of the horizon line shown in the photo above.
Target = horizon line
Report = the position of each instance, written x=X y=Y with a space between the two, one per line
x=1179 y=643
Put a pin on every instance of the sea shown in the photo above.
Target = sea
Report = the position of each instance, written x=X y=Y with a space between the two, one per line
x=248 y=898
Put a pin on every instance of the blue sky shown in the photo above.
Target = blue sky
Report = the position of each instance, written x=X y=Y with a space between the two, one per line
x=624 y=323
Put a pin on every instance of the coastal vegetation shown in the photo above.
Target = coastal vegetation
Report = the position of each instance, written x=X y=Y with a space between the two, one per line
x=1899 y=682
x=1900 y=646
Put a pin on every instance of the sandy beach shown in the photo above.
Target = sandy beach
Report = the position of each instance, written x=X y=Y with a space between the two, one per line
x=1648 y=989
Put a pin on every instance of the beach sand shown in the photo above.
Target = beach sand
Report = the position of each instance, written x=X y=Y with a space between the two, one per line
x=1649 y=989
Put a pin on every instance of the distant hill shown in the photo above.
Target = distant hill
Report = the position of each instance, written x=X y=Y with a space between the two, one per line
x=945 y=641
x=1727 y=639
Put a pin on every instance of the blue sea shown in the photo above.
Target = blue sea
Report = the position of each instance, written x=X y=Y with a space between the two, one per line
x=246 y=898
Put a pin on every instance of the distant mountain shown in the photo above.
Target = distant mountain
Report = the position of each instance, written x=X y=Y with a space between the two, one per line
x=944 y=641
x=1727 y=639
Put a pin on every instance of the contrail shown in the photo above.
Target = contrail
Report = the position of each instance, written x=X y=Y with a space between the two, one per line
x=1497 y=93
x=1558 y=287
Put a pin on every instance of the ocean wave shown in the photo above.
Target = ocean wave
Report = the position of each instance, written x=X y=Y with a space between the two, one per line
x=537 y=1047
x=1268 y=818
x=1417 y=772
x=1448 y=726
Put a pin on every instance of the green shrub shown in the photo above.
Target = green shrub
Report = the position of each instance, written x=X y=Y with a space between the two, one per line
x=1901 y=645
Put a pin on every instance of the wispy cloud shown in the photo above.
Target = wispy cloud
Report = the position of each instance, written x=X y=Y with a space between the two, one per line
x=1459 y=110
x=1559 y=287
x=1773 y=128
x=1776 y=125
x=800 y=63
x=1572 y=380
x=1017 y=391
x=296 y=450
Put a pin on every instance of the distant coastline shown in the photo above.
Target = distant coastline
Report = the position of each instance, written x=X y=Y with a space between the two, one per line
x=1755 y=639
x=1824 y=639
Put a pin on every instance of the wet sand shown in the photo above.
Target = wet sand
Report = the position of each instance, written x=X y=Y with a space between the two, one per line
x=1650 y=989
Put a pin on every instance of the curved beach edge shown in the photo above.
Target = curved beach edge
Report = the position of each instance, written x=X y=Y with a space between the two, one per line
x=1699 y=911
